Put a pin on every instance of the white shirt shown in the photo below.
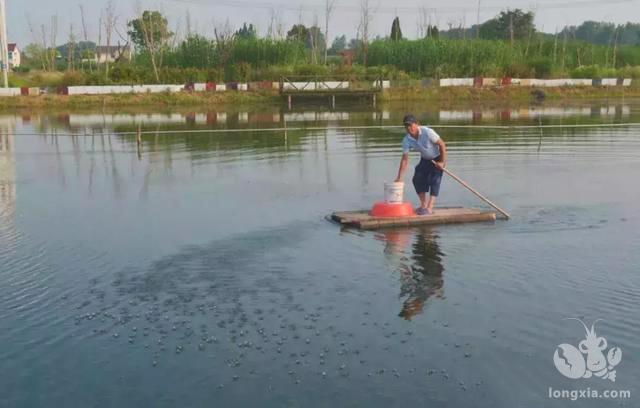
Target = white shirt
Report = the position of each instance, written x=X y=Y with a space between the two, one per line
x=425 y=144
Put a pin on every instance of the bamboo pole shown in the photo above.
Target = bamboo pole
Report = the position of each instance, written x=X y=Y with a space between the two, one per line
x=468 y=187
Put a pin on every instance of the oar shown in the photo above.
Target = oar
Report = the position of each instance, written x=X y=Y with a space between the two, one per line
x=468 y=187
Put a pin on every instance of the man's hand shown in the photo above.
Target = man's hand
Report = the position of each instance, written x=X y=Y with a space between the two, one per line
x=403 y=166
x=439 y=165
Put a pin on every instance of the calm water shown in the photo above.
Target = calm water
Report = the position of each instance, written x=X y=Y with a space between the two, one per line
x=201 y=271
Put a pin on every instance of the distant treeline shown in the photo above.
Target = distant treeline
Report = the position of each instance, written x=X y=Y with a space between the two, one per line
x=507 y=45
x=499 y=28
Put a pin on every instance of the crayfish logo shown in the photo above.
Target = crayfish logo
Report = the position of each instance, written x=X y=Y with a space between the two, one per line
x=588 y=359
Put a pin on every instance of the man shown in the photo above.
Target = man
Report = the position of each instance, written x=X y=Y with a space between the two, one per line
x=428 y=173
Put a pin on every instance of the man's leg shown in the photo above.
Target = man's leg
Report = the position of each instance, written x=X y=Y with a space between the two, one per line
x=431 y=203
x=434 y=188
x=420 y=183
x=423 y=200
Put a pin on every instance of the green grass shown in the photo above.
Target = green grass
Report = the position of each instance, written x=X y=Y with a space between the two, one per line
x=159 y=101
x=443 y=97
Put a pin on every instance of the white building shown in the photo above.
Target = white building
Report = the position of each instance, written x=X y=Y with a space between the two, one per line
x=14 y=56
x=112 y=53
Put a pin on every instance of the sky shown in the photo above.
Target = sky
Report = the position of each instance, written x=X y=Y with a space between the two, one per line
x=26 y=17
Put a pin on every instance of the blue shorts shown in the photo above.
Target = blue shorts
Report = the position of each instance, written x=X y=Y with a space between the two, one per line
x=427 y=178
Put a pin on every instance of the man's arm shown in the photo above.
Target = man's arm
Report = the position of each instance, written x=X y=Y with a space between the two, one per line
x=440 y=164
x=403 y=166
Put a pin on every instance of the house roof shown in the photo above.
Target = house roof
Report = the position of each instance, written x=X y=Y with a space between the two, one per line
x=12 y=47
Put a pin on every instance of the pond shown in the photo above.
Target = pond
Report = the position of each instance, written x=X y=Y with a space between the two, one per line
x=198 y=267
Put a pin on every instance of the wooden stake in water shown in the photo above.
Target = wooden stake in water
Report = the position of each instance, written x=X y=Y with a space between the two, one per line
x=468 y=187
x=139 y=141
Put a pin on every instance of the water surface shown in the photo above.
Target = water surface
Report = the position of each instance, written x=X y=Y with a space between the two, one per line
x=200 y=269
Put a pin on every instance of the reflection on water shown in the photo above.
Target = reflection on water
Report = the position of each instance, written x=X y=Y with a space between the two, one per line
x=7 y=176
x=414 y=254
x=88 y=123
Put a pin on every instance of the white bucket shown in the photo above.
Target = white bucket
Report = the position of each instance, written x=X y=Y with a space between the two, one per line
x=394 y=192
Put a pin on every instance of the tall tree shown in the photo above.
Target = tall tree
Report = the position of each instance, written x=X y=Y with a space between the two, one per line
x=150 y=32
x=315 y=40
x=396 y=32
x=510 y=24
x=366 y=15
x=225 y=42
x=71 y=45
x=109 y=25
x=312 y=37
x=298 y=33
x=327 y=13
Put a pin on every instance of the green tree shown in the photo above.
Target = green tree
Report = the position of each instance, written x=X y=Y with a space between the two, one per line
x=312 y=37
x=433 y=32
x=315 y=39
x=507 y=23
x=152 y=27
x=396 y=32
x=355 y=44
x=339 y=44
x=247 y=32
x=298 y=33
x=35 y=56
x=150 y=32
x=196 y=51
x=604 y=33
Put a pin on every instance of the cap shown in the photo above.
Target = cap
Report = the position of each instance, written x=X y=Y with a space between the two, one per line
x=409 y=119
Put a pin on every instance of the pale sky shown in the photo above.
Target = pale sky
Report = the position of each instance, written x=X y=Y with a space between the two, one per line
x=344 y=19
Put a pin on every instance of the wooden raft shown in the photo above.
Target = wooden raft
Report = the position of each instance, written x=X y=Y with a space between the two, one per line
x=449 y=215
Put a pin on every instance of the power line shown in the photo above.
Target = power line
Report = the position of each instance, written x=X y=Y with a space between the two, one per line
x=391 y=10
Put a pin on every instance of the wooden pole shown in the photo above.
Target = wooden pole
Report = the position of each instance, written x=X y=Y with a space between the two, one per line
x=139 y=142
x=468 y=187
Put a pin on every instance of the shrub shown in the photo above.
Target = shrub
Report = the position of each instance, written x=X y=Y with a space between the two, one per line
x=519 y=70
x=541 y=67
x=124 y=74
x=73 y=78
x=311 y=69
x=242 y=72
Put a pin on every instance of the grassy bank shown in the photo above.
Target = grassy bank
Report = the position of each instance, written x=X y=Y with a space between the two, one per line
x=441 y=96
x=159 y=100
x=456 y=95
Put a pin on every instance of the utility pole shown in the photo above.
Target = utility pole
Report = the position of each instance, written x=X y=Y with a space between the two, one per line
x=4 y=48
x=478 y=21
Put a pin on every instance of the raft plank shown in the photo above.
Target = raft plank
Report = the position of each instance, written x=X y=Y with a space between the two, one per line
x=445 y=215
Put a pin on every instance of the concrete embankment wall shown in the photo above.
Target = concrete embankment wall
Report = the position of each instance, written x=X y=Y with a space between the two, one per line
x=478 y=82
